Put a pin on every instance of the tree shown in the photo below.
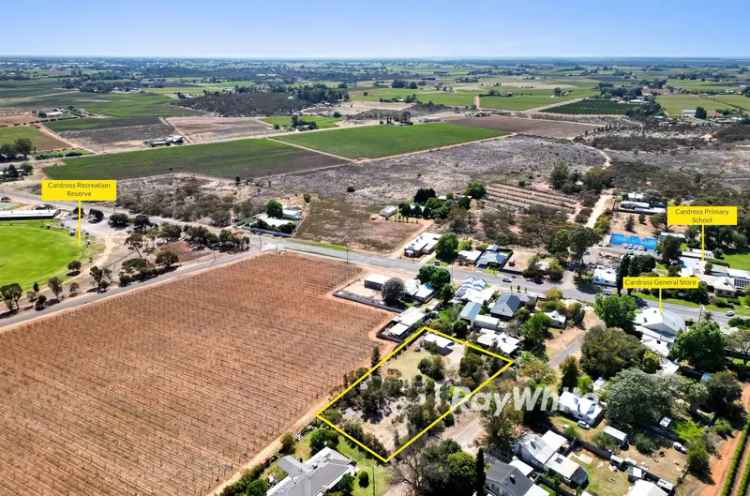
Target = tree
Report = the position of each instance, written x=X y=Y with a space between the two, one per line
x=170 y=232
x=559 y=175
x=481 y=474
x=739 y=341
x=274 y=209
x=323 y=438
x=476 y=190
x=616 y=311
x=393 y=291
x=287 y=443
x=436 y=276
x=630 y=223
x=55 y=285
x=534 y=332
x=700 y=113
x=697 y=458
x=581 y=239
x=424 y=194
x=73 y=289
x=118 y=221
x=74 y=267
x=723 y=391
x=569 y=371
x=135 y=242
x=102 y=277
x=702 y=345
x=623 y=270
x=670 y=250
x=167 y=259
x=555 y=271
x=375 y=357
x=24 y=146
x=558 y=244
x=607 y=351
x=638 y=399
x=363 y=479
x=447 y=247
x=141 y=222
x=11 y=294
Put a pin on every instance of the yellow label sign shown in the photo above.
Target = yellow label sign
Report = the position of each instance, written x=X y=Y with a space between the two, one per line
x=706 y=215
x=660 y=282
x=79 y=190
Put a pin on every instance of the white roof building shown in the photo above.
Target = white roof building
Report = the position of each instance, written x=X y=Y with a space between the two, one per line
x=499 y=340
x=488 y=322
x=418 y=291
x=28 y=214
x=583 y=408
x=542 y=452
x=658 y=324
x=605 y=276
x=557 y=319
x=443 y=344
x=469 y=257
x=422 y=245
x=645 y=488
x=315 y=476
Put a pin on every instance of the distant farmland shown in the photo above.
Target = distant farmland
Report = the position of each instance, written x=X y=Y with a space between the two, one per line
x=381 y=141
x=675 y=104
x=593 y=106
x=243 y=158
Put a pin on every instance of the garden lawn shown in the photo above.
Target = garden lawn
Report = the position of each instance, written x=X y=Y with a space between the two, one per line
x=31 y=253
x=244 y=158
x=738 y=260
x=381 y=141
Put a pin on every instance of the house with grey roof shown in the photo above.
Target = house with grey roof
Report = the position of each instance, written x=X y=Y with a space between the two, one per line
x=507 y=304
x=504 y=479
x=314 y=477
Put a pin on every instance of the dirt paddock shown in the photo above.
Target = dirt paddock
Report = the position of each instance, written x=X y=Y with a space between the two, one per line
x=205 y=129
x=535 y=127
x=168 y=390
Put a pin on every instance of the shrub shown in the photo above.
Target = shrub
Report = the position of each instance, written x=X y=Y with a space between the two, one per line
x=287 y=443
x=644 y=444
x=364 y=479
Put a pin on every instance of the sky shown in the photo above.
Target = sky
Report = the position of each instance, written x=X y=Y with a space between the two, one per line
x=376 y=28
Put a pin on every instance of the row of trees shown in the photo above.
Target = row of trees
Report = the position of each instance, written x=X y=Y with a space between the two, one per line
x=10 y=151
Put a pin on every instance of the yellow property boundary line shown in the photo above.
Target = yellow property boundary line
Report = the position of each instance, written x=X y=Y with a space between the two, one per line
x=390 y=355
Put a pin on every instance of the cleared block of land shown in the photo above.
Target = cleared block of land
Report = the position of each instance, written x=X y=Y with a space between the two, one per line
x=243 y=158
x=107 y=135
x=320 y=120
x=204 y=129
x=520 y=198
x=170 y=389
x=41 y=141
x=381 y=141
x=535 y=127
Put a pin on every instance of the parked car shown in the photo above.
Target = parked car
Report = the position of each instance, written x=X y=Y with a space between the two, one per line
x=730 y=313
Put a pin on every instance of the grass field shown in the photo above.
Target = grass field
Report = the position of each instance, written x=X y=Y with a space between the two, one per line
x=698 y=85
x=593 y=106
x=285 y=120
x=244 y=158
x=675 y=104
x=738 y=260
x=27 y=88
x=31 y=253
x=381 y=141
x=42 y=142
x=116 y=105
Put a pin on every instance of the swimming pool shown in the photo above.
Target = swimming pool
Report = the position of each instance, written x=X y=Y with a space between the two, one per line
x=631 y=239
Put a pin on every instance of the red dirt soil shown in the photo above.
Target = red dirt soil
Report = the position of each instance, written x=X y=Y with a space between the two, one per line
x=167 y=390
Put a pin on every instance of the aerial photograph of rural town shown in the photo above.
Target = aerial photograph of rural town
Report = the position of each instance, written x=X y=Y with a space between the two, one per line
x=328 y=248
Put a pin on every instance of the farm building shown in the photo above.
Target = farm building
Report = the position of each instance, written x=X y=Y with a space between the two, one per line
x=28 y=214
x=315 y=476
x=376 y=281
x=389 y=211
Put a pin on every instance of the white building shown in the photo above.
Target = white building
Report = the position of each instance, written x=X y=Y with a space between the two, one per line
x=645 y=488
x=423 y=244
x=556 y=318
x=542 y=452
x=405 y=322
x=658 y=324
x=583 y=408
x=507 y=344
x=444 y=345
x=418 y=291
x=314 y=477
x=605 y=276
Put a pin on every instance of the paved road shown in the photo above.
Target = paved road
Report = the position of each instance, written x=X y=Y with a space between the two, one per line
x=412 y=266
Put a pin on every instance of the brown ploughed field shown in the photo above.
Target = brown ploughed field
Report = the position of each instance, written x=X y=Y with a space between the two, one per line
x=169 y=389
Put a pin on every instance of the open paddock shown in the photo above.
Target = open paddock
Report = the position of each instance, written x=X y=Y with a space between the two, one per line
x=170 y=389
x=535 y=127
x=41 y=141
x=111 y=135
x=244 y=158
x=205 y=129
